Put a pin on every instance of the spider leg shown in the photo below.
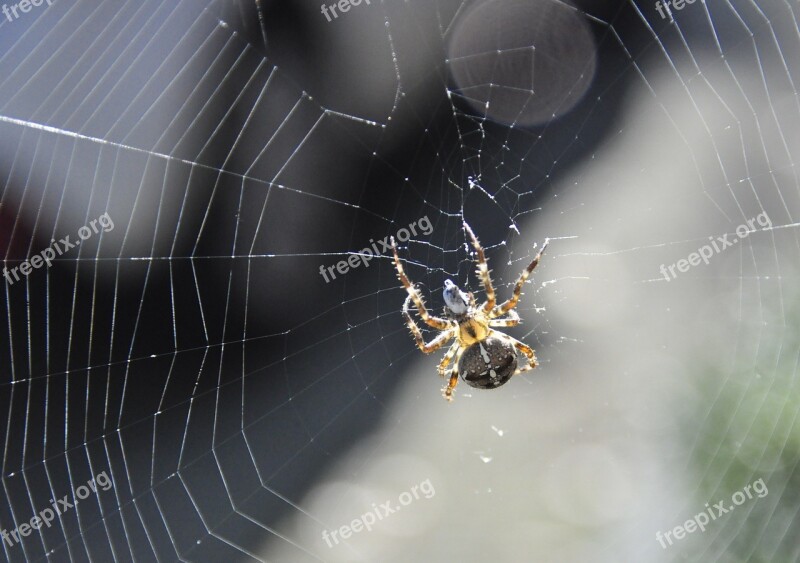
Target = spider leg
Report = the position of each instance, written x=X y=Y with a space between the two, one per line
x=511 y=303
x=447 y=392
x=448 y=358
x=440 y=340
x=512 y=320
x=435 y=322
x=483 y=271
x=528 y=352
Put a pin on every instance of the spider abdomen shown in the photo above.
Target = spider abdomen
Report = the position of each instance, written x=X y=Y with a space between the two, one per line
x=488 y=364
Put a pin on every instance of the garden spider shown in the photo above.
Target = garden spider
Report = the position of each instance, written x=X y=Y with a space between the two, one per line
x=486 y=358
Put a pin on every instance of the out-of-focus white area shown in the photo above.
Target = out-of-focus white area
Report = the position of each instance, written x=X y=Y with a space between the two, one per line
x=539 y=67
x=590 y=455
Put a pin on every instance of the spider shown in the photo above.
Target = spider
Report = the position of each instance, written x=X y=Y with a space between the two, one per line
x=485 y=358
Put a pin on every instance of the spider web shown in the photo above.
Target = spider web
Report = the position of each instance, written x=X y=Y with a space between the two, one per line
x=241 y=404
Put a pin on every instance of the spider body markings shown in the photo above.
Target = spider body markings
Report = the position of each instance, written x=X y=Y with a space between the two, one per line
x=485 y=358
